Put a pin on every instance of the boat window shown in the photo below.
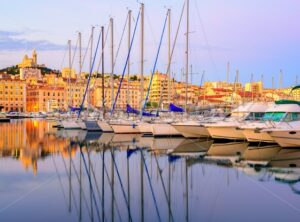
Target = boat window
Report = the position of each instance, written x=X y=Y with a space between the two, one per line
x=254 y=116
x=276 y=117
x=267 y=116
x=292 y=117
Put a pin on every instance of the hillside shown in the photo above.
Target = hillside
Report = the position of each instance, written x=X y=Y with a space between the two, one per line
x=14 y=70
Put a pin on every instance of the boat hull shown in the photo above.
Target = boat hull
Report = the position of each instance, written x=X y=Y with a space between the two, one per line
x=253 y=135
x=192 y=131
x=105 y=127
x=92 y=125
x=164 y=130
x=145 y=128
x=70 y=124
x=286 y=138
x=125 y=128
x=230 y=133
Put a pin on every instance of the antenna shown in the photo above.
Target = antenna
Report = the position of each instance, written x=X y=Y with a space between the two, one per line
x=227 y=71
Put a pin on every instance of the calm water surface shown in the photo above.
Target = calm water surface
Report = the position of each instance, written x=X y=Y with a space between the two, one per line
x=57 y=175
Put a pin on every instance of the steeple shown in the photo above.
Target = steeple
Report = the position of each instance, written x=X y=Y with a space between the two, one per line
x=34 y=58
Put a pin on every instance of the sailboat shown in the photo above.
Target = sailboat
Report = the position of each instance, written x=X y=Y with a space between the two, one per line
x=71 y=123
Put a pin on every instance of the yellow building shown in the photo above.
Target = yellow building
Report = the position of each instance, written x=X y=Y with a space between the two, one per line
x=132 y=98
x=46 y=98
x=255 y=87
x=12 y=95
x=29 y=62
x=160 y=88
x=68 y=73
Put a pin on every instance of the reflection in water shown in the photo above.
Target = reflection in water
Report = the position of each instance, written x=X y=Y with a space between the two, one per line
x=107 y=177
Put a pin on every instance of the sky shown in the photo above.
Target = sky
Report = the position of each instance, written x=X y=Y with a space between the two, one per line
x=256 y=37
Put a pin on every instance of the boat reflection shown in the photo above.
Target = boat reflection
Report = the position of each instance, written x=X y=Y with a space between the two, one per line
x=229 y=153
x=108 y=177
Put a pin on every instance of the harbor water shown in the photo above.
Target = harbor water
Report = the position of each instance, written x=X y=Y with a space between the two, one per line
x=48 y=174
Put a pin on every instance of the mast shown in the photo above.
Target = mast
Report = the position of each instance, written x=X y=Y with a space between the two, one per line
x=112 y=60
x=91 y=63
x=103 y=79
x=187 y=54
x=128 y=66
x=80 y=55
x=280 y=79
x=251 y=86
x=80 y=158
x=91 y=47
x=273 y=87
x=227 y=71
x=69 y=76
x=169 y=55
x=142 y=54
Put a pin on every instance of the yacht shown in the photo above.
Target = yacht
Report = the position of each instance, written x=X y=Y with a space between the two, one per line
x=229 y=128
x=279 y=125
x=194 y=128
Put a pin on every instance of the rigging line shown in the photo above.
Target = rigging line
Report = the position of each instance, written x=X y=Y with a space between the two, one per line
x=86 y=51
x=124 y=70
x=171 y=57
x=119 y=46
x=64 y=57
x=155 y=63
x=76 y=46
x=118 y=50
x=164 y=187
x=89 y=78
x=123 y=190
x=27 y=194
x=151 y=187
x=275 y=195
x=110 y=185
x=206 y=39
x=90 y=181
x=102 y=50
x=151 y=28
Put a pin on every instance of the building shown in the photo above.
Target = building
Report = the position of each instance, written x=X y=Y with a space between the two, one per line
x=29 y=62
x=12 y=95
x=46 y=98
x=31 y=75
x=68 y=73
x=255 y=87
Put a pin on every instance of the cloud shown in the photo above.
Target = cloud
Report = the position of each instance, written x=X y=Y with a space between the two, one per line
x=14 y=41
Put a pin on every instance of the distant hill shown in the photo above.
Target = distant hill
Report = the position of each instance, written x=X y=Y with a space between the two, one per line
x=14 y=70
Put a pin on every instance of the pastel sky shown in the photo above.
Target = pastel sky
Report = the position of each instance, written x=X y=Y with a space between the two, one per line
x=259 y=37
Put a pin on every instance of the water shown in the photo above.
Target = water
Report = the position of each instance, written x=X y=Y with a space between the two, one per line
x=50 y=175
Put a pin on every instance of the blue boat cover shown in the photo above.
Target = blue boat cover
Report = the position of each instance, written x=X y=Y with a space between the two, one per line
x=176 y=109
x=73 y=109
x=150 y=114
x=129 y=109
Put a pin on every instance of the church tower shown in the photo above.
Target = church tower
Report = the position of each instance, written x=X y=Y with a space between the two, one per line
x=34 y=58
